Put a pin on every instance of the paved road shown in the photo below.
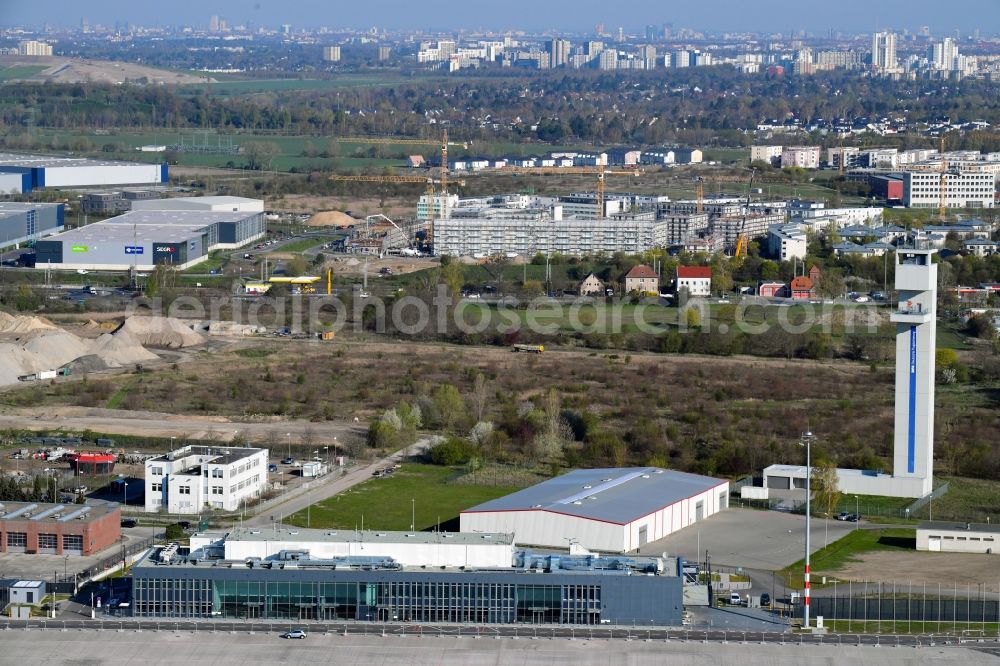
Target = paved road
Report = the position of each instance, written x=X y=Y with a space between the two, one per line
x=490 y=631
x=182 y=647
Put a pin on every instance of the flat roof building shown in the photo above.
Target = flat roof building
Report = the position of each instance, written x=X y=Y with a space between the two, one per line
x=409 y=549
x=57 y=529
x=148 y=238
x=220 y=204
x=41 y=171
x=609 y=510
x=942 y=537
x=24 y=222
x=308 y=582
x=194 y=478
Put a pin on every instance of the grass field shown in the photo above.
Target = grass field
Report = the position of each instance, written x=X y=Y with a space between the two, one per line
x=847 y=549
x=22 y=72
x=966 y=500
x=386 y=504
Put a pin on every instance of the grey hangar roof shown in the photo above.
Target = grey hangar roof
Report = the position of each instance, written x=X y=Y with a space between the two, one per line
x=616 y=495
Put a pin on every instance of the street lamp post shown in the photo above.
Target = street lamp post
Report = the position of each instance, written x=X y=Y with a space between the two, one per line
x=857 y=512
x=806 y=441
x=288 y=437
x=413 y=514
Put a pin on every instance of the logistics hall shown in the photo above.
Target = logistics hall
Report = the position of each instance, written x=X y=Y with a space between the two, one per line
x=24 y=173
x=149 y=238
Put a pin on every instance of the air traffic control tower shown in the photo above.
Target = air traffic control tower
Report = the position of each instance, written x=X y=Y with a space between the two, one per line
x=916 y=334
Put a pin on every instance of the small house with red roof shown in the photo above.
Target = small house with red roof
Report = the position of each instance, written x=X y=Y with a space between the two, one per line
x=696 y=279
x=642 y=279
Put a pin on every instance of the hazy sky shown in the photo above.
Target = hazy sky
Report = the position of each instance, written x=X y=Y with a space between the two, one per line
x=772 y=15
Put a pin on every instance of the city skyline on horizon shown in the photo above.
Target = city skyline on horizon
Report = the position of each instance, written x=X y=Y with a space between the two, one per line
x=784 y=16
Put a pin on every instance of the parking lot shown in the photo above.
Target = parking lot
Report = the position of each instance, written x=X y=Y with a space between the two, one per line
x=749 y=538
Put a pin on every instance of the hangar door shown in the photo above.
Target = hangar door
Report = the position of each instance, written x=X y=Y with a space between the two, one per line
x=699 y=511
x=934 y=544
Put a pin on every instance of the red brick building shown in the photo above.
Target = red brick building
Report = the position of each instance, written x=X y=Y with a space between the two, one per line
x=57 y=529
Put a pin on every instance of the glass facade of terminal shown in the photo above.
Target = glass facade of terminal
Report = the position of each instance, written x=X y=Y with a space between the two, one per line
x=466 y=597
x=404 y=601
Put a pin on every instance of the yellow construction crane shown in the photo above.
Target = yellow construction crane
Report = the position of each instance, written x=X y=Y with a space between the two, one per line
x=600 y=171
x=741 y=240
x=406 y=141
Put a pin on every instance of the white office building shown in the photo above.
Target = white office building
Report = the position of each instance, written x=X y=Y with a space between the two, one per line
x=194 y=479
x=409 y=549
x=962 y=189
x=786 y=242
x=31 y=47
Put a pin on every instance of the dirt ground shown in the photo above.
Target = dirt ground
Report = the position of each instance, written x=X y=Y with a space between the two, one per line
x=73 y=70
x=355 y=266
x=359 y=206
x=155 y=424
x=919 y=568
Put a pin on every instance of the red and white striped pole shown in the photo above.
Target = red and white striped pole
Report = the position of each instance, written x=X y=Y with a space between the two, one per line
x=807 y=439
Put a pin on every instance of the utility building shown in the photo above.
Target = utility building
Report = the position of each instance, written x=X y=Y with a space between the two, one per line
x=609 y=510
x=193 y=478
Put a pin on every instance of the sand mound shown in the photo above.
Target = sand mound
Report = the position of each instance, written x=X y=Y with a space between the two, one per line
x=120 y=349
x=329 y=218
x=160 y=332
x=30 y=345
x=11 y=325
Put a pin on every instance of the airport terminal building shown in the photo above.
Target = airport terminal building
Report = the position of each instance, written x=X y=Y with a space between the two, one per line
x=423 y=583
x=149 y=238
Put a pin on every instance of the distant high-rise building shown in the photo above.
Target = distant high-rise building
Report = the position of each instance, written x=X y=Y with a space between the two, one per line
x=593 y=49
x=647 y=54
x=286 y=28
x=383 y=53
x=558 y=52
x=651 y=33
x=33 y=48
x=621 y=34
x=213 y=24
x=925 y=31
x=608 y=59
x=331 y=53
x=85 y=25
x=681 y=59
x=884 y=52
x=599 y=29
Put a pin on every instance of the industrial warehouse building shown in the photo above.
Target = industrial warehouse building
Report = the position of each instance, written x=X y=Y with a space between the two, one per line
x=24 y=173
x=25 y=222
x=210 y=204
x=57 y=529
x=149 y=238
x=609 y=510
x=433 y=578
x=941 y=537
x=193 y=478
